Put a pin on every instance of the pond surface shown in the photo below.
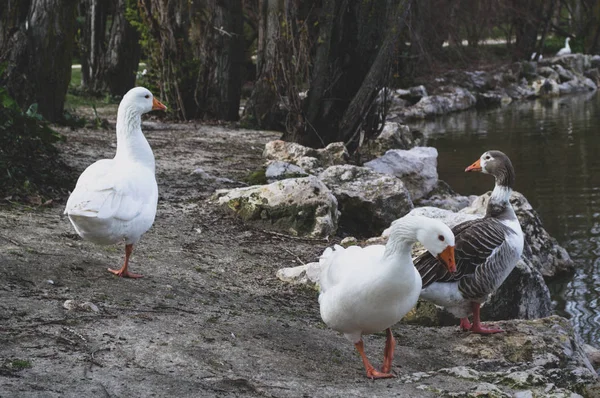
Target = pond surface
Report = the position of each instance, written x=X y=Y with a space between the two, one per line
x=555 y=148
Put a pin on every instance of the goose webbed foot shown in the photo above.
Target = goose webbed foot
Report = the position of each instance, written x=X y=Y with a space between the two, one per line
x=123 y=272
x=372 y=373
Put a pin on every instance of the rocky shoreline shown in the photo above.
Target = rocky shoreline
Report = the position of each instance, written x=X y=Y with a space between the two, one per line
x=316 y=194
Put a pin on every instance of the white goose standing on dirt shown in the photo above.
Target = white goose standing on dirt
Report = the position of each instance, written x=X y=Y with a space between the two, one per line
x=115 y=199
x=487 y=250
x=366 y=290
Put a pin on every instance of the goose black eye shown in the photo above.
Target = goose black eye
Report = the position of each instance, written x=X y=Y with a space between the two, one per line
x=441 y=238
x=147 y=96
x=487 y=157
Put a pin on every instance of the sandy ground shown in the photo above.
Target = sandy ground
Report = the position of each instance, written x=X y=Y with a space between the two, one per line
x=209 y=318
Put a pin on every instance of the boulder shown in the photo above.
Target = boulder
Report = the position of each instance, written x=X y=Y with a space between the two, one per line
x=443 y=197
x=297 y=206
x=417 y=168
x=310 y=159
x=393 y=136
x=493 y=98
x=368 y=201
x=279 y=170
x=577 y=85
x=300 y=275
x=547 y=255
x=453 y=99
x=546 y=87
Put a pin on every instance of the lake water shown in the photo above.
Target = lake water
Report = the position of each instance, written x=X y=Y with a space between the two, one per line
x=555 y=148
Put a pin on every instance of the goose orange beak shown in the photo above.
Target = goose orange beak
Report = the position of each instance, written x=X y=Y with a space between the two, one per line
x=447 y=257
x=157 y=105
x=475 y=166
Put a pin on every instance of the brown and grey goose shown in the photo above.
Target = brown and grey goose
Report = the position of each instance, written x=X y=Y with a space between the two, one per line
x=486 y=251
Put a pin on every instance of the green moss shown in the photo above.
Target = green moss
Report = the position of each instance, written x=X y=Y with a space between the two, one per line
x=18 y=364
x=257 y=177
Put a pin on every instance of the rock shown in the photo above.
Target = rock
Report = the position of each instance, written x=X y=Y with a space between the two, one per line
x=594 y=75
x=595 y=61
x=512 y=364
x=577 y=85
x=443 y=197
x=593 y=355
x=279 y=170
x=303 y=274
x=564 y=75
x=349 y=241
x=310 y=159
x=417 y=168
x=452 y=100
x=523 y=295
x=368 y=201
x=546 y=88
x=519 y=92
x=546 y=254
x=413 y=94
x=393 y=136
x=493 y=98
x=548 y=73
x=297 y=206
x=73 y=305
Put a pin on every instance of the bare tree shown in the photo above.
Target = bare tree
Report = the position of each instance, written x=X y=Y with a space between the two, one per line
x=109 y=46
x=342 y=51
x=37 y=44
x=197 y=52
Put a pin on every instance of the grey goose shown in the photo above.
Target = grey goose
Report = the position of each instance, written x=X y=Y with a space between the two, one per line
x=486 y=251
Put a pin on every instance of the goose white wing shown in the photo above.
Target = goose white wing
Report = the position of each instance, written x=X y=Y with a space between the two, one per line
x=340 y=263
x=104 y=192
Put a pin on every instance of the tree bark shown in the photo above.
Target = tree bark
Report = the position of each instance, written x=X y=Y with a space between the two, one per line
x=110 y=54
x=229 y=59
x=262 y=105
x=39 y=52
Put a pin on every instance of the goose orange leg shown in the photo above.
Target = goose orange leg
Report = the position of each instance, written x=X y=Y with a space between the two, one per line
x=371 y=372
x=123 y=271
x=388 y=353
x=477 y=326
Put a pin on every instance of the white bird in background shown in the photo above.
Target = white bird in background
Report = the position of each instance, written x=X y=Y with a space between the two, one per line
x=366 y=290
x=566 y=49
x=115 y=199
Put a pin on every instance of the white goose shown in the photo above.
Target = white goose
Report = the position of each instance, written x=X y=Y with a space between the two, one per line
x=115 y=199
x=366 y=290
x=566 y=49
x=487 y=250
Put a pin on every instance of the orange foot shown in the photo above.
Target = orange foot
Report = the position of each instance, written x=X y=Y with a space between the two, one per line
x=375 y=374
x=123 y=273
x=480 y=329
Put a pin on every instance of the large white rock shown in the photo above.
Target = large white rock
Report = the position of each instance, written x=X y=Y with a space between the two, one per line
x=297 y=206
x=310 y=159
x=416 y=167
x=369 y=201
x=452 y=100
x=280 y=170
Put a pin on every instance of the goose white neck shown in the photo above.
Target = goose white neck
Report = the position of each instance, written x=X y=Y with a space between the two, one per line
x=501 y=194
x=131 y=144
x=403 y=236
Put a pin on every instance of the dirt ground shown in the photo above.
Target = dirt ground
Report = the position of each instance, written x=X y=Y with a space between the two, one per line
x=209 y=318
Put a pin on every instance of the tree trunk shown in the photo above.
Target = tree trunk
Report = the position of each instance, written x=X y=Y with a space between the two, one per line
x=229 y=43
x=110 y=54
x=262 y=106
x=39 y=52
x=527 y=23
x=123 y=54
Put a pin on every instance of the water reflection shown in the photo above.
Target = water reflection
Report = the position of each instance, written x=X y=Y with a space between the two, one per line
x=554 y=146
